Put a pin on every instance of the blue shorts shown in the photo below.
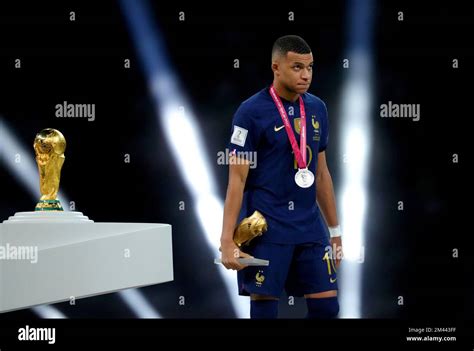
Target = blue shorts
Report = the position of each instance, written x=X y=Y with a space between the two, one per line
x=299 y=269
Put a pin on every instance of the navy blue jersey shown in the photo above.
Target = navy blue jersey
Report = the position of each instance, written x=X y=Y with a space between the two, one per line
x=258 y=134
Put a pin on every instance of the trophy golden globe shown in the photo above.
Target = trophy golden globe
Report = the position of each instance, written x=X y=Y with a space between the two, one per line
x=49 y=147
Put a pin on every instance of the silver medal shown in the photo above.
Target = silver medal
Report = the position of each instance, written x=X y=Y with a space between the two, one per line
x=304 y=178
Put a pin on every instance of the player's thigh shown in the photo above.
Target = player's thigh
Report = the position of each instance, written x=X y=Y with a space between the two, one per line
x=266 y=280
x=259 y=297
x=313 y=272
x=321 y=295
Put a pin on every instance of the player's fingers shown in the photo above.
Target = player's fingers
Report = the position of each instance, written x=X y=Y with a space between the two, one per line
x=237 y=265
x=245 y=255
x=342 y=256
x=231 y=264
x=226 y=264
x=338 y=262
x=242 y=266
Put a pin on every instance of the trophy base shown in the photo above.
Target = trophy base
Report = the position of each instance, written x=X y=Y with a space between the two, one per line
x=49 y=257
x=48 y=205
x=250 y=261
x=49 y=217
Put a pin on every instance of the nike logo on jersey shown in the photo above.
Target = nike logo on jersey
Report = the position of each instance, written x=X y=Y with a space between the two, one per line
x=276 y=129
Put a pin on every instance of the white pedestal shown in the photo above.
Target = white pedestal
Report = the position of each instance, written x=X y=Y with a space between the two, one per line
x=76 y=257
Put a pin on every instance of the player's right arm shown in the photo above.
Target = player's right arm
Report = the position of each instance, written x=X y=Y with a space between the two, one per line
x=238 y=171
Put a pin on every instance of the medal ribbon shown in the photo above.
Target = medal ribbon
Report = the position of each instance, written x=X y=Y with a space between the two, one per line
x=300 y=153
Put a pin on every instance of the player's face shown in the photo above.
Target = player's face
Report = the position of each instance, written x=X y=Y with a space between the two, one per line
x=295 y=71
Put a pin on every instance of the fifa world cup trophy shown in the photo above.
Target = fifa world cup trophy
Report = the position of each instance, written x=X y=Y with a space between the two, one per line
x=49 y=147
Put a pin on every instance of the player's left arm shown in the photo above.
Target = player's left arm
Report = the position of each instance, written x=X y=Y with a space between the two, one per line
x=327 y=202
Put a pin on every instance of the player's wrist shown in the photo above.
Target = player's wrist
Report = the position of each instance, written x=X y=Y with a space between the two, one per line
x=227 y=240
x=335 y=232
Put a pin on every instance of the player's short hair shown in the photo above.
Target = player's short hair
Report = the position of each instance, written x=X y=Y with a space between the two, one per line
x=292 y=43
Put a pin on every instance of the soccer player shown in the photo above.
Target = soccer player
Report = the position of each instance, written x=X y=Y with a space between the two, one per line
x=285 y=129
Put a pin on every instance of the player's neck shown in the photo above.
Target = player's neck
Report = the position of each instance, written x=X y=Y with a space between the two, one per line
x=284 y=93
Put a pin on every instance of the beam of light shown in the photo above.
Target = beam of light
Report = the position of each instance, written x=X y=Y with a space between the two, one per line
x=48 y=312
x=135 y=300
x=181 y=129
x=26 y=173
x=355 y=139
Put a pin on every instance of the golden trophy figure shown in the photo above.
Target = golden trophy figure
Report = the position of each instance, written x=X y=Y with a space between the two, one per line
x=49 y=147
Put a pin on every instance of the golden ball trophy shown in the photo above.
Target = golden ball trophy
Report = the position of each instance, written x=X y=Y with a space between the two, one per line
x=250 y=228
x=247 y=230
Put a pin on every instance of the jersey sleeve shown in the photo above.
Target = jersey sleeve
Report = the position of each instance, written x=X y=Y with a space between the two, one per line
x=323 y=144
x=245 y=133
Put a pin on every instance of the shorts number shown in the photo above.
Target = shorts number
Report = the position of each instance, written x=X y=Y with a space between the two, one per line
x=330 y=263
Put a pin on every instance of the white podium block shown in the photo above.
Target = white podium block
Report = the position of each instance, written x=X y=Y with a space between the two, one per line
x=78 y=258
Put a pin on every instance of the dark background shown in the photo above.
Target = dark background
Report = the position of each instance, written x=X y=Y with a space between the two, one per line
x=409 y=252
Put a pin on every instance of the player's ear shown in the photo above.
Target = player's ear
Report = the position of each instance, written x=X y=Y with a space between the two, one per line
x=277 y=61
x=275 y=66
